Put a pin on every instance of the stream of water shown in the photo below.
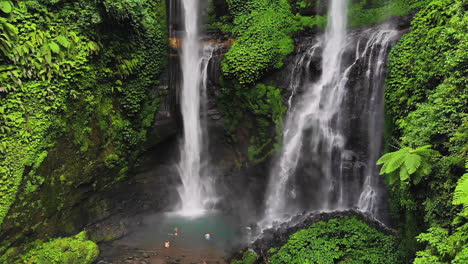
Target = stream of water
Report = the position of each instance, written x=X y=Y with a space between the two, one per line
x=333 y=132
x=196 y=191
x=316 y=110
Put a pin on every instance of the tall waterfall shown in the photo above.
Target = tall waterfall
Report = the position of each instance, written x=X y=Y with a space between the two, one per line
x=319 y=167
x=196 y=191
x=315 y=111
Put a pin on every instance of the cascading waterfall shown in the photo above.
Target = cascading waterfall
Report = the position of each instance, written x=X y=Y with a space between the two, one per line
x=316 y=110
x=195 y=192
x=375 y=50
x=320 y=168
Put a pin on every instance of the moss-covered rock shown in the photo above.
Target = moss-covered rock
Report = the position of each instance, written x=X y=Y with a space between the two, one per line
x=70 y=250
x=75 y=117
x=341 y=240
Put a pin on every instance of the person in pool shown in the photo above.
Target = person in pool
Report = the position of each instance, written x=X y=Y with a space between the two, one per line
x=208 y=236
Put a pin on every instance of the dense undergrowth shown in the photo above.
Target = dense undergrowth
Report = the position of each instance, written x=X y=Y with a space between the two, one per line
x=77 y=249
x=77 y=81
x=427 y=99
x=339 y=240
x=346 y=240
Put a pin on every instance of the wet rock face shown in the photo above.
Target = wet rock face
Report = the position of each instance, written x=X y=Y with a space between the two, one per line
x=220 y=7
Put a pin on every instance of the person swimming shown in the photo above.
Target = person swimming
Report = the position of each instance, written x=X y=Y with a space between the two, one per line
x=208 y=236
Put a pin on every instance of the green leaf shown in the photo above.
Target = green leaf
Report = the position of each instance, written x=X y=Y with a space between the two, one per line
x=6 y=7
x=404 y=174
x=412 y=163
x=93 y=46
x=54 y=47
x=460 y=196
x=63 y=41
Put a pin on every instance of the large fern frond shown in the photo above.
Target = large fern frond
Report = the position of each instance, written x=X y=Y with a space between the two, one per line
x=425 y=151
x=460 y=196
x=412 y=163
x=404 y=174
x=395 y=163
x=385 y=158
x=405 y=162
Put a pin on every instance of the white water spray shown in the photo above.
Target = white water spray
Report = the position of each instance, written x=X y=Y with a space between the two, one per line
x=196 y=192
x=315 y=111
x=318 y=131
x=375 y=50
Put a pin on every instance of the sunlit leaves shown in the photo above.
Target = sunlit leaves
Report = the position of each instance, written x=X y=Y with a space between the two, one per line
x=342 y=240
x=262 y=29
x=6 y=6
x=401 y=164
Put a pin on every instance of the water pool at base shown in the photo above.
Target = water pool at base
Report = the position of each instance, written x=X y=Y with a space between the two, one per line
x=158 y=228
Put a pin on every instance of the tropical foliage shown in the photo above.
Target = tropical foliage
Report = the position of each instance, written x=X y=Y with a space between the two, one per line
x=262 y=29
x=76 y=249
x=405 y=162
x=426 y=98
x=77 y=96
x=77 y=80
x=341 y=240
x=460 y=197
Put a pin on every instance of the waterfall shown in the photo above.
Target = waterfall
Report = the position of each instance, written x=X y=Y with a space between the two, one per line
x=375 y=50
x=316 y=109
x=196 y=191
x=319 y=168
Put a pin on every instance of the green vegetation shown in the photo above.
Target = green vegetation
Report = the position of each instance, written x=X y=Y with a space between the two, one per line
x=248 y=257
x=77 y=249
x=265 y=104
x=76 y=82
x=368 y=12
x=262 y=29
x=341 y=240
x=426 y=98
x=460 y=197
x=401 y=164
x=360 y=13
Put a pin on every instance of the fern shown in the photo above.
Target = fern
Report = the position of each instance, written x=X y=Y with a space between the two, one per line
x=401 y=164
x=460 y=196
